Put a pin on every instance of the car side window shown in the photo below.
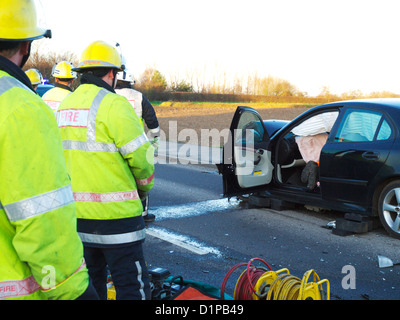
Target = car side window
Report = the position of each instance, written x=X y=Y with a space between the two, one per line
x=363 y=125
x=384 y=132
x=250 y=128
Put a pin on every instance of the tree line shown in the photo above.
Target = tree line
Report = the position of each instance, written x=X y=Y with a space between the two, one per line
x=252 y=88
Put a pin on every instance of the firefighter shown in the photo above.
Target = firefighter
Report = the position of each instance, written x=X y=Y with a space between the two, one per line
x=63 y=79
x=111 y=164
x=41 y=254
x=146 y=114
x=35 y=77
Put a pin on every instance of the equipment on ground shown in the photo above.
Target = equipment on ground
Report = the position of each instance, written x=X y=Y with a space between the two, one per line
x=254 y=283
x=262 y=283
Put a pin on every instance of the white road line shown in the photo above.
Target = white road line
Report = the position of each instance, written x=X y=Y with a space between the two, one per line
x=193 y=209
x=185 y=211
x=181 y=241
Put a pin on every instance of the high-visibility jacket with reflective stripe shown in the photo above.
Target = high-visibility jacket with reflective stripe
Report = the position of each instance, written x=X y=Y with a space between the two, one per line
x=109 y=159
x=54 y=96
x=41 y=255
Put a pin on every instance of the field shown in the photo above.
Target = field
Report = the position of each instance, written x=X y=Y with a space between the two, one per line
x=183 y=121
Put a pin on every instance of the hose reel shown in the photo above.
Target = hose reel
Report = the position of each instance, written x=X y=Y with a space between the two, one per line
x=260 y=283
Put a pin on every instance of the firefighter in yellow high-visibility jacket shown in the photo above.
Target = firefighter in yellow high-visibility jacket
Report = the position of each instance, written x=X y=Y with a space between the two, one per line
x=63 y=77
x=41 y=254
x=111 y=164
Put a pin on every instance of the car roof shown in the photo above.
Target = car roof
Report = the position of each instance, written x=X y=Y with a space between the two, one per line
x=390 y=103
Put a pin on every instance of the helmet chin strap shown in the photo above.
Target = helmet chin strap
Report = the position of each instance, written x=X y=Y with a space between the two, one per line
x=114 y=82
x=26 y=57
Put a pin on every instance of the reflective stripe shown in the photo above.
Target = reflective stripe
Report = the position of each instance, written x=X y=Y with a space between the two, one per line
x=94 y=108
x=7 y=83
x=139 y=279
x=39 y=204
x=113 y=238
x=89 y=146
x=134 y=144
x=106 y=197
x=83 y=265
x=143 y=182
x=95 y=63
x=18 y=288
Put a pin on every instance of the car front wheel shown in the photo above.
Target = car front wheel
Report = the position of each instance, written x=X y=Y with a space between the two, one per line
x=389 y=208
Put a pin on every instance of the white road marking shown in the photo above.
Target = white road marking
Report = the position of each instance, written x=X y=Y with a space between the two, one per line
x=193 y=209
x=181 y=241
x=185 y=211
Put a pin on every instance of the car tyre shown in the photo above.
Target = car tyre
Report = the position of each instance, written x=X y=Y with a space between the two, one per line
x=389 y=208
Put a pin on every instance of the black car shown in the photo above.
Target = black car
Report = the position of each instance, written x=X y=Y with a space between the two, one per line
x=342 y=156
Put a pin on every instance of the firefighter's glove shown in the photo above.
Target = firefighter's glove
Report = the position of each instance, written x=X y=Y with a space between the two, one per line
x=155 y=142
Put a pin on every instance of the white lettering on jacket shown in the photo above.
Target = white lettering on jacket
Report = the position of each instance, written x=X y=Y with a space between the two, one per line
x=73 y=117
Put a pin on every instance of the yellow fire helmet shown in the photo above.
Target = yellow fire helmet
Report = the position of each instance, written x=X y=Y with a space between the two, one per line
x=20 y=20
x=63 y=70
x=34 y=75
x=99 y=54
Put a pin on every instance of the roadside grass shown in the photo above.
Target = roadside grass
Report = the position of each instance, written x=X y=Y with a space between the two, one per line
x=229 y=105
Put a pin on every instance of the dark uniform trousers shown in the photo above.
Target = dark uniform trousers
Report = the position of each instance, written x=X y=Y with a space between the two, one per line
x=127 y=267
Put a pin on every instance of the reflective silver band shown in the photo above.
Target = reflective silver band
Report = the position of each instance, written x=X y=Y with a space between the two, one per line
x=134 y=144
x=95 y=63
x=91 y=128
x=7 y=83
x=39 y=204
x=113 y=238
x=89 y=146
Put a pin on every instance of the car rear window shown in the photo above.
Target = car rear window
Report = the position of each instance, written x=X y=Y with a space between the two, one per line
x=363 y=125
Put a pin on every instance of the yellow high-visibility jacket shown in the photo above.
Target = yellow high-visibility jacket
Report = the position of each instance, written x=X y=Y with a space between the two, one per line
x=41 y=255
x=54 y=96
x=110 y=161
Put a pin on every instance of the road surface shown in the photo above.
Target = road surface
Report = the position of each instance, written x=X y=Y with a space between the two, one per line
x=200 y=236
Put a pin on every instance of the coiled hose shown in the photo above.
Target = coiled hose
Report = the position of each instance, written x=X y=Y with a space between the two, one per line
x=260 y=283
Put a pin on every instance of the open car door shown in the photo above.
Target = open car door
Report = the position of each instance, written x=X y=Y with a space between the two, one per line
x=246 y=164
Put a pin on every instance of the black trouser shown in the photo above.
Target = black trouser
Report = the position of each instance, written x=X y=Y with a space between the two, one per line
x=128 y=271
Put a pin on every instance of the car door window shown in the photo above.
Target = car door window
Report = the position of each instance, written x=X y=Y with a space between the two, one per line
x=250 y=129
x=385 y=131
x=363 y=125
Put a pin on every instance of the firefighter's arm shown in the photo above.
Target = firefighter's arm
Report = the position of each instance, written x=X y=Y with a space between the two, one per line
x=41 y=208
x=132 y=143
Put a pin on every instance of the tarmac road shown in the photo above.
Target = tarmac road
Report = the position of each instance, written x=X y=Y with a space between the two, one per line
x=200 y=236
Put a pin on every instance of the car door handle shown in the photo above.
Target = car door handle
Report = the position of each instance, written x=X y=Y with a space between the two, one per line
x=370 y=155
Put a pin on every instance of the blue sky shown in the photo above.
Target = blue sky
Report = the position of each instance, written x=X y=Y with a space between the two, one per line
x=344 y=45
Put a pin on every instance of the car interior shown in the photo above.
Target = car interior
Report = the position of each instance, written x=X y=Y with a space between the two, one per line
x=301 y=145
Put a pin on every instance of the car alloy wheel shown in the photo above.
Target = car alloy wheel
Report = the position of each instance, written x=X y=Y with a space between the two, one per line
x=389 y=208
